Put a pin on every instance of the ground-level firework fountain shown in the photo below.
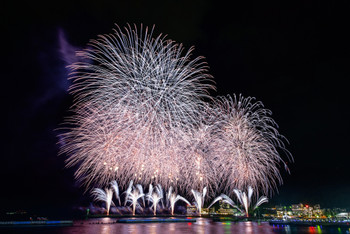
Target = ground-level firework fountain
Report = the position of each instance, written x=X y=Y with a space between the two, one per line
x=156 y=201
x=133 y=195
x=173 y=198
x=104 y=196
x=245 y=199
x=141 y=113
x=199 y=199
x=155 y=196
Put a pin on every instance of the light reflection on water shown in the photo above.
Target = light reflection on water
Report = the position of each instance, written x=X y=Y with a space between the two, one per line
x=201 y=226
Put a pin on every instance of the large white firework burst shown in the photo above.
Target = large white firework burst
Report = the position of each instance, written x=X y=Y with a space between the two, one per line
x=137 y=103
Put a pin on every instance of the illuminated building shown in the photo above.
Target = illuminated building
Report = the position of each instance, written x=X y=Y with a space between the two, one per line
x=191 y=210
x=208 y=211
x=298 y=210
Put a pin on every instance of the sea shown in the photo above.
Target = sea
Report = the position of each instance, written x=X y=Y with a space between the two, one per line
x=201 y=226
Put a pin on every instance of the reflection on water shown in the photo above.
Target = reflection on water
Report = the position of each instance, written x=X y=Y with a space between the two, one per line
x=248 y=228
x=202 y=226
x=152 y=229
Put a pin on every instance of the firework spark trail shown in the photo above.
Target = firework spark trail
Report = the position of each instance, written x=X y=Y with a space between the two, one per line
x=140 y=114
x=115 y=187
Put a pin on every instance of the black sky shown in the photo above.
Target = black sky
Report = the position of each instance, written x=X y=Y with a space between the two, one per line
x=291 y=56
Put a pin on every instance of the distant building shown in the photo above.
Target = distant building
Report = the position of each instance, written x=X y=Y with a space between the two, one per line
x=269 y=212
x=191 y=210
x=226 y=209
x=224 y=205
x=298 y=210
x=317 y=212
x=229 y=211
x=304 y=211
x=308 y=211
x=208 y=210
x=280 y=211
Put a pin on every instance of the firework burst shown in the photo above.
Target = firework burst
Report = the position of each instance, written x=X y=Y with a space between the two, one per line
x=140 y=114
x=249 y=142
x=137 y=103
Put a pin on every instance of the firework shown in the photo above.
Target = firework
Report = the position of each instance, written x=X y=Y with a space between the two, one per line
x=225 y=199
x=249 y=142
x=199 y=199
x=115 y=187
x=140 y=114
x=155 y=195
x=172 y=198
x=136 y=104
x=133 y=194
x=245 y=199
x=104 y=196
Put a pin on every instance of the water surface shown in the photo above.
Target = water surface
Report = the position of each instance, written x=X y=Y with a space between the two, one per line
x=202 y=226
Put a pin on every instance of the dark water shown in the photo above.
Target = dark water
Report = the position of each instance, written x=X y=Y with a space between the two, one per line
x=202 y=226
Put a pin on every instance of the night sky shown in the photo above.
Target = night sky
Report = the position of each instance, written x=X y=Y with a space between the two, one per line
x=292 y=56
